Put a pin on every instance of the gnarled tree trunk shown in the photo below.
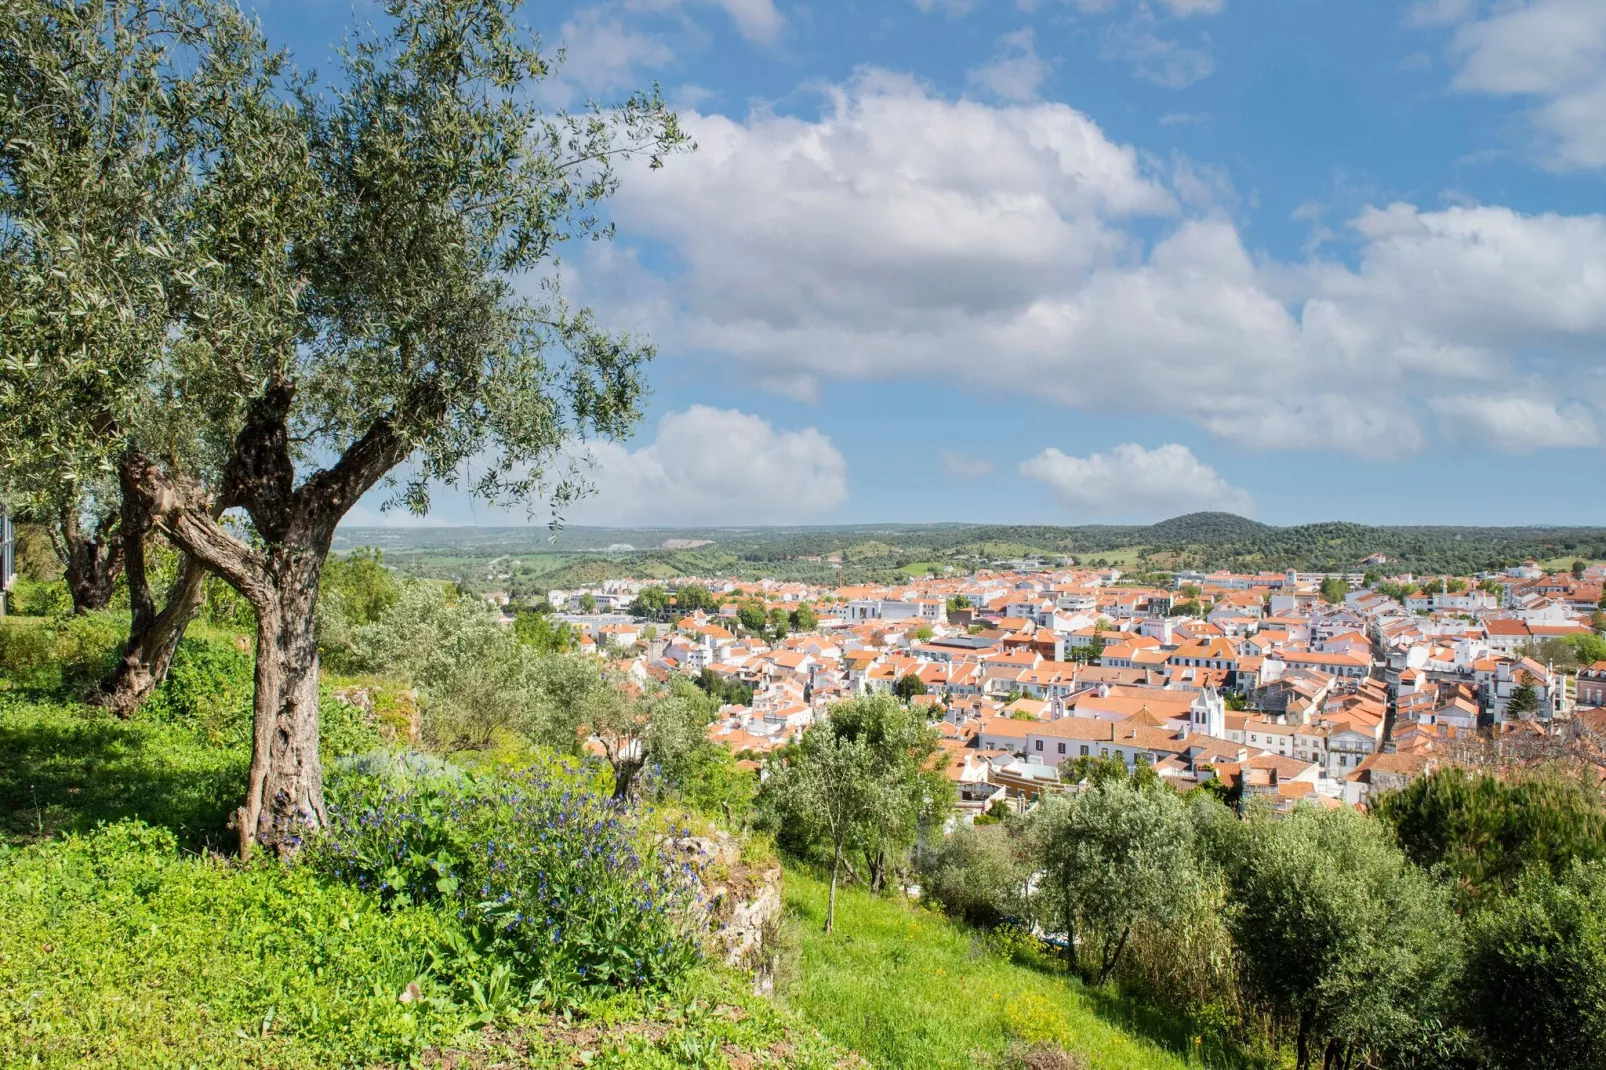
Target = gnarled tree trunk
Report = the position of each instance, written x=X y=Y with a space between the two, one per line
x=284 y=792
x=90 y=560
x=152 y=636
x=296 y=525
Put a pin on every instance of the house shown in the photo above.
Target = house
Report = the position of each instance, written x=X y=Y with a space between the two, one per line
x=1591 y=689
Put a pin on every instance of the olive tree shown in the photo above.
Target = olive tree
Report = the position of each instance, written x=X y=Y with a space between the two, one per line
x=830 y=790
x=96 y=103
x=1341 y=936
x=1111 y=856
x=366 y=278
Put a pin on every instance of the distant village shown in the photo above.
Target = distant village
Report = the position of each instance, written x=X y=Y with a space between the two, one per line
x=1291 y=687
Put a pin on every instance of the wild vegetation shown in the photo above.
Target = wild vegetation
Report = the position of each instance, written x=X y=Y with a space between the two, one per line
x=1343 y=939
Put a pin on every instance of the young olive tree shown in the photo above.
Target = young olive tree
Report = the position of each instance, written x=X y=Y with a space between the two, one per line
x=903 y=750
x=1112 y=856
x=366 y=279
x=831 y=790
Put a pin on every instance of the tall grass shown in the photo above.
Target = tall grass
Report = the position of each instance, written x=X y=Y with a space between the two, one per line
x=911 y=990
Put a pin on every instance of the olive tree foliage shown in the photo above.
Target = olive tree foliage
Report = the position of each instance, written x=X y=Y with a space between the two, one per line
x=979 y=873
x=98 y=102
x=364 y=275
x=829 y=792
x=1536 y=972
x=1112 y=856
x=475 y=680
x=902 y=750
x=1343 y=939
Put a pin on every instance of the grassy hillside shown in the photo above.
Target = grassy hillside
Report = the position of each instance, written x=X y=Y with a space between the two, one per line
x=129 y=941
x=911 y=990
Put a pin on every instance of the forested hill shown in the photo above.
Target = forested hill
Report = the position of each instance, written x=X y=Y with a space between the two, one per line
x=537 y=558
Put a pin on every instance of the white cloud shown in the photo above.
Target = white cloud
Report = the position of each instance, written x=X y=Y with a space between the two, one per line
x=602 y=55
x=1164 y=61
x=1552 y=51
x=956 y=463
x=1016 y=70
x=901 y=234
x=1131 y=482
x=1516 y=423
x=715 y=466
x=757 y=20
x=1438 y=12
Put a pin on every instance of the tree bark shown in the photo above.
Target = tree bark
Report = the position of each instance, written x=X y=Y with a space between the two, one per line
x=1302 y=1042
x=152 y=636
x=284 y=790
x=91 y=561
x=626 y=775
x=1111 y=957
x=152 y=639
x=284 y=793
x=830 y=903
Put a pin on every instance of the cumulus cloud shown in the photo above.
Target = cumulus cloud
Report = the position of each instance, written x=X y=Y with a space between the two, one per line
x=996 y=247
x=1015 y=71
x=1516 y=423
x=1552 y=52
x=602 y=55
x=715 y=466
x=1130 y=482
x=956 y=463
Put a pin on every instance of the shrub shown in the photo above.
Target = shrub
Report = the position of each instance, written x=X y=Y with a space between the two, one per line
x=558 y=883
x=1535 y=988
x=59 y=652
x=977 y=874
x=208 y=691
x=39 y=598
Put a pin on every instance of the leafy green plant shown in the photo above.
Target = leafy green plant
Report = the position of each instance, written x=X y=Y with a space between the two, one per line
x=208 y=691
x=549 y=874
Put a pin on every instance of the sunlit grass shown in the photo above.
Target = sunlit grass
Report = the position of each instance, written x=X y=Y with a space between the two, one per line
x=911 y=990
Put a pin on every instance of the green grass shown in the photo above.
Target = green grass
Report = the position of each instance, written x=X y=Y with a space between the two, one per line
x=907 y=988
x=921 y=568
x=126 y=942
x=65 y=767
x=120 y=951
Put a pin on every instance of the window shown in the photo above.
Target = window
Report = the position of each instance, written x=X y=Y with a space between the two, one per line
x=1084 y=750
x=1039 y=744
x=1104 y=752
x=1062 y=748
x=1120 y=756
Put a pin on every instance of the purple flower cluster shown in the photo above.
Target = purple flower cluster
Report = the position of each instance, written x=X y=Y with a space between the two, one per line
x=549 y=876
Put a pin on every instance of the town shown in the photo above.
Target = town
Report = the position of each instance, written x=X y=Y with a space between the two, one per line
x=1293 y=687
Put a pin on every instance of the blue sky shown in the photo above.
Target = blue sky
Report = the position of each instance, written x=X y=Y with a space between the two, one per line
x=1086 y=260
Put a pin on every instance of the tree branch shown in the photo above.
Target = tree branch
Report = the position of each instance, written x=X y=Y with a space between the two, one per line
x=183 y=514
